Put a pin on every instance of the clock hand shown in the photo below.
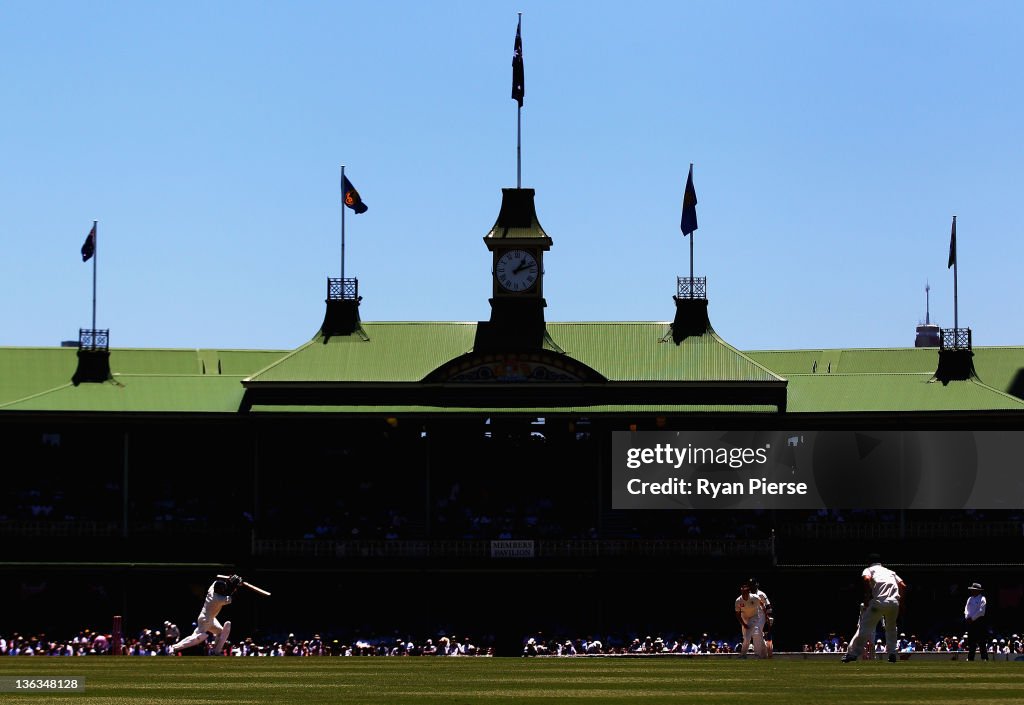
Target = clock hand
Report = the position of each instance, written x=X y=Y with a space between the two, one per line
x=522 y=265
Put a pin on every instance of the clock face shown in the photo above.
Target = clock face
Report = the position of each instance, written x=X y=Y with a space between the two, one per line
x=516 y=270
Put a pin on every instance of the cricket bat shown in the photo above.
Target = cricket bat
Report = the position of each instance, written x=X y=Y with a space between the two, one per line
x=248 y=585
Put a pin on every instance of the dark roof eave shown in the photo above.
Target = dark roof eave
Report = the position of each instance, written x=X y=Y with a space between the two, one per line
x=640 y=384
x=533 y=395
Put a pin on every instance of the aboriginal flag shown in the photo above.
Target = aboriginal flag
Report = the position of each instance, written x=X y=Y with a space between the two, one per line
x=351 y=197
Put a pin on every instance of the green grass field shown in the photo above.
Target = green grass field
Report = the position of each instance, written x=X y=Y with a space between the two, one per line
x=454 y=681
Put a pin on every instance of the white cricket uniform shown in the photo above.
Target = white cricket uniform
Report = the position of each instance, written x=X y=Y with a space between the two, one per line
x=207 y=622
x=765 y=603
x=884 y=604
x=751 y=611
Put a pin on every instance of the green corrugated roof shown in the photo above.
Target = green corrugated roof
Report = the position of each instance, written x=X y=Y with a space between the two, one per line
x=189 y=362
x=997 y=367
x=645 y=352
x=140 y=394
x=791 y=362
x=786 y=362
x=908 y=360
x=891 y=379
x=1001 y=367
x=384 y=352
x=28 y=371
x=861 y=380
x=407 y=352
x=246 y=362
x=848 y=393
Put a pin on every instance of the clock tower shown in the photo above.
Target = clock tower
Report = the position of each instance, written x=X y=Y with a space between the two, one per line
x=517 y=244
x=513 y=359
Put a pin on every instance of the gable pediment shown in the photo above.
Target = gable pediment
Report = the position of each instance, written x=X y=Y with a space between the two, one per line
x=540 y=366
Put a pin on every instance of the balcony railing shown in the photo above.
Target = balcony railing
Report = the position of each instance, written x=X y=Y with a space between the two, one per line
x=59 y=529
x=956 y=339
x=570 y=548
x=926 y=530
x=79 y=528
x=692 y=287
x=90 y=339
x=342 y=289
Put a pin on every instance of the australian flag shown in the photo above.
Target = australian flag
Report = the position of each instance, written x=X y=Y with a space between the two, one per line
x=518 y=76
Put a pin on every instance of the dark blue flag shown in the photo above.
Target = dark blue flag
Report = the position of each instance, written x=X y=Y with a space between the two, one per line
x=689 y=220
x=952 y=246
x=89 y=246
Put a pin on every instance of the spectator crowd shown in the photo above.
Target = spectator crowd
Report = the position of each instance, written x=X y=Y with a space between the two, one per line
x=154 y=642
x=913 y=644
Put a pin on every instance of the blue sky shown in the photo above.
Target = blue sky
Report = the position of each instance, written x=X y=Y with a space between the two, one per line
x=832 y=143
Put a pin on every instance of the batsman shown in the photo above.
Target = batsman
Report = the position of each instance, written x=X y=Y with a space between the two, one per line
x=217 y=597
x=884 y=593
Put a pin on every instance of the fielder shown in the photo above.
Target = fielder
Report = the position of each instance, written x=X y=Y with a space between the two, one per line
x=750 y=611
x=767 y=616
x=217 y=597
x=883 y=600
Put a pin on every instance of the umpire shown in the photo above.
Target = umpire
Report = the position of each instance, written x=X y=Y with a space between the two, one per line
x=974 y=615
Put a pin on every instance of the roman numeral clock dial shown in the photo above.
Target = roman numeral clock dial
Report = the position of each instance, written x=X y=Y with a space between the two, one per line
x=516 y=270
